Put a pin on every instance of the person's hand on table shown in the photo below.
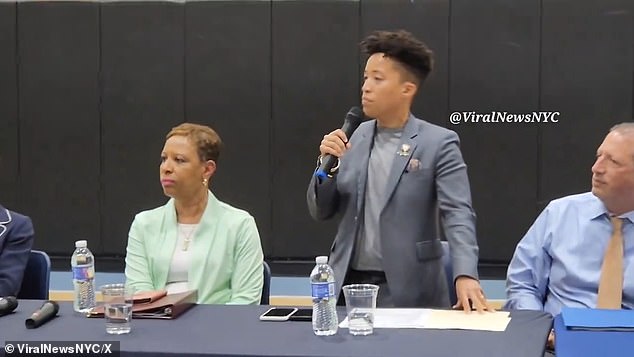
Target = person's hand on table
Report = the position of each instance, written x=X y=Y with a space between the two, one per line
x=469 y=293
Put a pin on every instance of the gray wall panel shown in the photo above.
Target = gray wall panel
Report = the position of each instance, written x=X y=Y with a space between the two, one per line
x=315 y=82
x=494 y=66
x=228 y=86
x=587 y=65
x=143 y=89
x=8 y=107
x=59 y=122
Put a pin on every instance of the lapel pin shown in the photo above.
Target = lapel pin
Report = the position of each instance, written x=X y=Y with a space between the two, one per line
x=404 y=150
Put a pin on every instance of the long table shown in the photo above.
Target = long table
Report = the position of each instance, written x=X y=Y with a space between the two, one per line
x=218 y=330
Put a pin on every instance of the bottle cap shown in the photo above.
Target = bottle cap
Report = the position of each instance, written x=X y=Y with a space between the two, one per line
x=322 y=259
x=81 y=244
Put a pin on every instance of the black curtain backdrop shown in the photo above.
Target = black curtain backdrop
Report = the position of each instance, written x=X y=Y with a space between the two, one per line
x=88 y=91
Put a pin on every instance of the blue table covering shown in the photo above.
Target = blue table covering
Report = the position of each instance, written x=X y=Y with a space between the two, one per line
x=217 y=330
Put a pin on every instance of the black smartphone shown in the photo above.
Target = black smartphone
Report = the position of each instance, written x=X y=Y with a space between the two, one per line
x=302 y=315
x=278 y=314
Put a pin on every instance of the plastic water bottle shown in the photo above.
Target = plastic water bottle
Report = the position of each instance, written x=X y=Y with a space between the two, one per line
x=322 y=281
x=83 y=264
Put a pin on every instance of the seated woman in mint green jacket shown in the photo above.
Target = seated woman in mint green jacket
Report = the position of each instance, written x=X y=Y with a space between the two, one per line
x=195 y=241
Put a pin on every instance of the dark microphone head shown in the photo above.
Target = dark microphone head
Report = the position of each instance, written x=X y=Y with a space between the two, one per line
x=8 y=304
x=352 y=121
x=54 y=305
x=42 y=315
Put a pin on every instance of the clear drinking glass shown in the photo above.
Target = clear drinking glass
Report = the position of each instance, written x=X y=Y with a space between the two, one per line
x=117 y=300
x=361 y=304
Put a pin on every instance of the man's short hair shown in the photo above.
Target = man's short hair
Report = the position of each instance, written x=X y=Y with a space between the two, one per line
x=415 y=57
x=623 y=128
x=626 y=128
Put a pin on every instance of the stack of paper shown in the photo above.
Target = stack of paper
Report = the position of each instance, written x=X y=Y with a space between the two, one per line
x=459 y=320
x=397 y=318
x=438 y=319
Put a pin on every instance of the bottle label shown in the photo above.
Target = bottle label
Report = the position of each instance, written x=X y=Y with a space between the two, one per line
x=323 y=290
x=83 y=272
x=82 y=259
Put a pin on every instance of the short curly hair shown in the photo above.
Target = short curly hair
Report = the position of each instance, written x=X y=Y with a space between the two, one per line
x=402 y=46
x=207 y=141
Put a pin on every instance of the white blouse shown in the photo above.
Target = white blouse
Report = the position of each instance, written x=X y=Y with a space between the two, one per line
x=177 y=278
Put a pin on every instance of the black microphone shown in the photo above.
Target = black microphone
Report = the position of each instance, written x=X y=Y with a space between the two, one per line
x=350 y=124
x=48 y=311
x=7 y=304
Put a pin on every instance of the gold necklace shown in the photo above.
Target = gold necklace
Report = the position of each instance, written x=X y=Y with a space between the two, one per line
x=188 y=239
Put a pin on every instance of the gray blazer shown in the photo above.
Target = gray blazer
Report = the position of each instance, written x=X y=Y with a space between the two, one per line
x=428 y=180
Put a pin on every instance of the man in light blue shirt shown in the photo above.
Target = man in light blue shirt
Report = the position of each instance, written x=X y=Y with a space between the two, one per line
x=558 y=262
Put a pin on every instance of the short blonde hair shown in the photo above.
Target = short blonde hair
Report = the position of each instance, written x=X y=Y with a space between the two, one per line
x=626 y=128
x=207 y=141
x=623 y=128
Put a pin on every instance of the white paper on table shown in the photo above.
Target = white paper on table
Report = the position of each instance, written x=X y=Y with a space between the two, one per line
x=458 y=319
x=397 y=318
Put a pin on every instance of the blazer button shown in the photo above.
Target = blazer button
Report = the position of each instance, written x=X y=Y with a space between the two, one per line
x=355 y=218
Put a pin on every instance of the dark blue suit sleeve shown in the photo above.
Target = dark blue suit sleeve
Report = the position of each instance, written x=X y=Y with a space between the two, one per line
x=15 y=247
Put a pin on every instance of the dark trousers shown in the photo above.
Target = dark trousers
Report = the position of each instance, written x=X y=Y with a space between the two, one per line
x=384 y=298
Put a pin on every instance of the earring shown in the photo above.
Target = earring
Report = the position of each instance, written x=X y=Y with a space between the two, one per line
x=205 y=182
